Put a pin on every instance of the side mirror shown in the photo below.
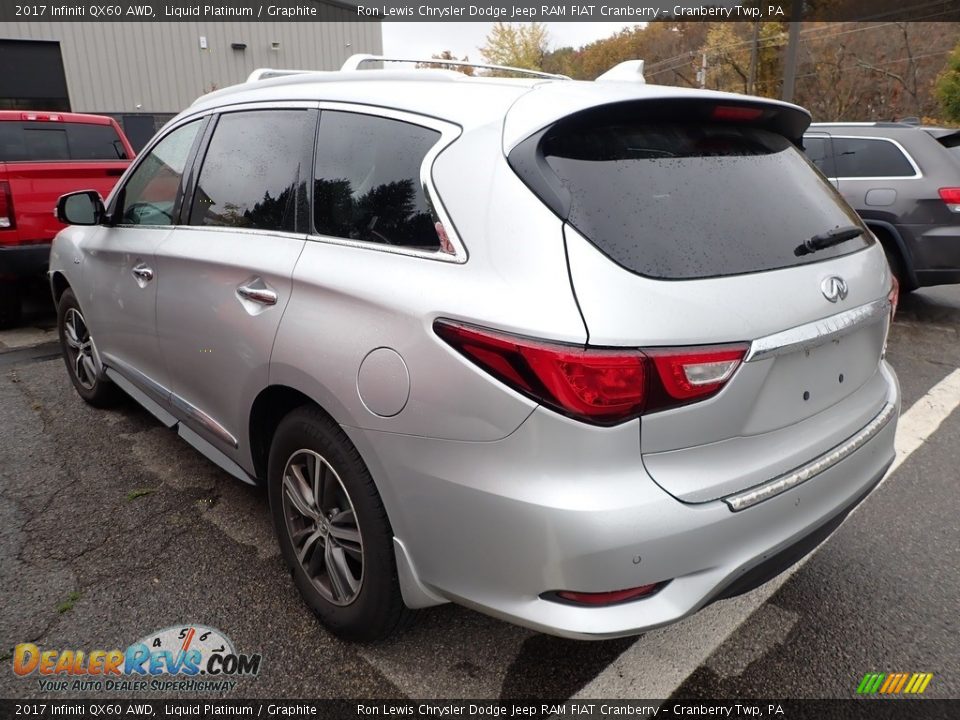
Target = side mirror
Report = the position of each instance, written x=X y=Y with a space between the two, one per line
x=81 y=208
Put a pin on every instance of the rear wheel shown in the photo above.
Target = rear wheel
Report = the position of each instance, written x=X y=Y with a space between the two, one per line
x=894 y=260
x=333 y=530
x=80 y=355
x=9 y=303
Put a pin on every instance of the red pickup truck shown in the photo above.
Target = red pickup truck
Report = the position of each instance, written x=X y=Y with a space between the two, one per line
x=42 y=156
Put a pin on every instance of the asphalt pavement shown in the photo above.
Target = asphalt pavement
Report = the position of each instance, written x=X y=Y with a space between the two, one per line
x=111 y=527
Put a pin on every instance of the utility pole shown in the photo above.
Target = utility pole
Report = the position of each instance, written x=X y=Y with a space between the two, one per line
x=702 y=75
x=790 y=63
x=752 y=82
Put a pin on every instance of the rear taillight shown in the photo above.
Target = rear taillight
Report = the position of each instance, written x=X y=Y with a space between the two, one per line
x=7 y=221
x=951 y=196
x=603 y=386
x=894 y=295
x=736 y=113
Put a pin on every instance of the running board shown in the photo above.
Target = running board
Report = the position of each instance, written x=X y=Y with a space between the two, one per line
x=201 y=445
x=214 y=455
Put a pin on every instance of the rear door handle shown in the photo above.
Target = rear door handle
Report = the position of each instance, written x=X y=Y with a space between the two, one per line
x=261 y=295
x=143 y=273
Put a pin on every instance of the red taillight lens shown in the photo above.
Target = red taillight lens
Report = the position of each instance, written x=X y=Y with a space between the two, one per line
x=687 y=375
x=608 y=598
x=736 y=113
x=6 y=207
x=893 y=296
x=603 y=386
x=599 y=385
x=951 y=196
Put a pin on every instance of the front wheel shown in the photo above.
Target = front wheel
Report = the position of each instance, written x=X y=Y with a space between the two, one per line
x=80 y=355
x=333 y=530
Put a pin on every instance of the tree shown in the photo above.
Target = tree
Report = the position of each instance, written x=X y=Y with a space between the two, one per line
x=447 y=55
x=523 y=45
x=729 y=57
x=948 y=86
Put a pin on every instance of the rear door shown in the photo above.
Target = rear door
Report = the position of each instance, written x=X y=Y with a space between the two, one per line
x=686 y=232
x=225 y=274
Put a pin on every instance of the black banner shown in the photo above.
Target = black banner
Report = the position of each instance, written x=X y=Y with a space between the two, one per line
x=477 y=10
x=860 y=709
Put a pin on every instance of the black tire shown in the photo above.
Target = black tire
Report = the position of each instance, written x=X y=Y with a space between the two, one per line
x=90 y=383
x=895 y=261
x=376 y=610
x=10 y=305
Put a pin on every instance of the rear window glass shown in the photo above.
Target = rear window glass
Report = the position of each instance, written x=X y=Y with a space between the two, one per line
x=681 y=201
x=45 y=141
x=870 y=157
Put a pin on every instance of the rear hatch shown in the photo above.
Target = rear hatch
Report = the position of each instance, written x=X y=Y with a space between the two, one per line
x=43 y=158
x=686 y=222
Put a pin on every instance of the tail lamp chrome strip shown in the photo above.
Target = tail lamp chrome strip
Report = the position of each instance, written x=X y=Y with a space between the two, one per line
x=772 y=488
x=819 y=332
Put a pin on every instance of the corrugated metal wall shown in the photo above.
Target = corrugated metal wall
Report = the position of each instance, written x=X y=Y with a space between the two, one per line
x=118 y=67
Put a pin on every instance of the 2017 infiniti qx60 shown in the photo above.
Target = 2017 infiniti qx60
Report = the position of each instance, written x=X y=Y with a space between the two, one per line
x=584 y=356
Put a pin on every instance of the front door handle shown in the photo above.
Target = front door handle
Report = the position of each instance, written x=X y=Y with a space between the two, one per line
x=143 y=273
x=261 y=295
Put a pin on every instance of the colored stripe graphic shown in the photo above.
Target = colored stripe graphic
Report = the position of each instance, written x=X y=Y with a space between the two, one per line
x=894 y=683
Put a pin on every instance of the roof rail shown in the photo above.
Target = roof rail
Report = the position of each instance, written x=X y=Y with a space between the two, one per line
x=355 y=61
x=268 y=73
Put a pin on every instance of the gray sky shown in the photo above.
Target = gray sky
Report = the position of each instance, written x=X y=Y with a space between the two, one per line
x=423 y=39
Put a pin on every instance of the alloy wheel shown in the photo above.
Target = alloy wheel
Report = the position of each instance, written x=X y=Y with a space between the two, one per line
x=322 y=525
x=80 y=349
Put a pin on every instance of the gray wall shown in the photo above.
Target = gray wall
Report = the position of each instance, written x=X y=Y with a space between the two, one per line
x=129 y=67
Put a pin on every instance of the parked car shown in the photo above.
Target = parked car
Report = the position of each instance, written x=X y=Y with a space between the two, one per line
x=904 y=181
x=42 y=156
x=585 y=356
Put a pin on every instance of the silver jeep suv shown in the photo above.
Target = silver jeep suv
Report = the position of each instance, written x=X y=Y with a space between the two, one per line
x=585 y=356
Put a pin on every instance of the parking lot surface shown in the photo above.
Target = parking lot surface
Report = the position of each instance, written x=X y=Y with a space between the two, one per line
x=111 y=527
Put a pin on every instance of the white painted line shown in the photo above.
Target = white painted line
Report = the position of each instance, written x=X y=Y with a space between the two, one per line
x=660 y=661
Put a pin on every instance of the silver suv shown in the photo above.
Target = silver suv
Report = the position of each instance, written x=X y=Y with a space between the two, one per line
x=585 y=356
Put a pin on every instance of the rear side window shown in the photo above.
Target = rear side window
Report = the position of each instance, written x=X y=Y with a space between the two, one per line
x=693 y=200
x=253 y=169
x=818 y=150
x=367 y=185
x=869 y=157
x=47 y=141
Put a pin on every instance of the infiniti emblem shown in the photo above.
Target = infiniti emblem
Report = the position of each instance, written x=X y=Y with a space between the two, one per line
x=834 y=288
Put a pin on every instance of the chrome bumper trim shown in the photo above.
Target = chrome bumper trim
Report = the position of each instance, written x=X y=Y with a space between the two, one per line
x=819 y=332
x=772 y=488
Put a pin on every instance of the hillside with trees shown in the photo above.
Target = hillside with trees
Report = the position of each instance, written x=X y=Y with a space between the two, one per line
x=846 y=70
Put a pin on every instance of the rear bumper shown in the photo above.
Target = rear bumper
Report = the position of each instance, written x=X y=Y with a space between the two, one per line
x=935 y=250
x=561 y=506
x=24 y=260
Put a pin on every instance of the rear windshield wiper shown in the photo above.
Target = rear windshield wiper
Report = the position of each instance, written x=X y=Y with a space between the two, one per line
x=828 y=239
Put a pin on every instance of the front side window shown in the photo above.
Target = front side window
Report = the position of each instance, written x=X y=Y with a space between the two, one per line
x=367 y=181
x=253 y=167
x=150 y=195
x=870 y=157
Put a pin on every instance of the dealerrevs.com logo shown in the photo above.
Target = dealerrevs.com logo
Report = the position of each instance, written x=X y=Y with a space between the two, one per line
x=182 y=658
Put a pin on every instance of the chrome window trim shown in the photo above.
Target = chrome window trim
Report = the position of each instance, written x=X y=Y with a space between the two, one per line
x=916 y=168
x=770 y=489
x=449 y=132
x=819 y=332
